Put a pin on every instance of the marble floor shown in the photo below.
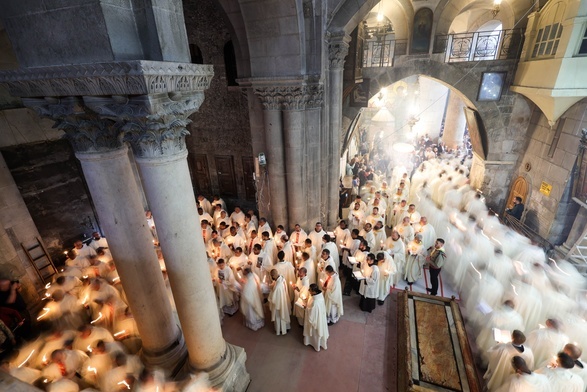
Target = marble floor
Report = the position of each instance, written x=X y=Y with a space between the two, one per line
x=361 y=354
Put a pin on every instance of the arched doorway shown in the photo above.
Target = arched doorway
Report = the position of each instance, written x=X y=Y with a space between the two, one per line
x=519 y=188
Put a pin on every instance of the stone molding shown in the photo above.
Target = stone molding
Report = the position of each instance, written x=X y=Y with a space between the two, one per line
x=139 y=77
x=300 y=97
x=338 y=49
x=154 y=125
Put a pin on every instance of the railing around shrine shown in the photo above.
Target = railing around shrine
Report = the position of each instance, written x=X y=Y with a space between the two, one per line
x=478 y=46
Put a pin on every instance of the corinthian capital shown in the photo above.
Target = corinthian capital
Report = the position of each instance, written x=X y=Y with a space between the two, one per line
x=291 y=97
x=338 y=49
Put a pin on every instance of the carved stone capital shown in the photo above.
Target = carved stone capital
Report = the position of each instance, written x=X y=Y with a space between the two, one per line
x=86 y=131
x=338 y=49
x=297 y=97
x=138 y=77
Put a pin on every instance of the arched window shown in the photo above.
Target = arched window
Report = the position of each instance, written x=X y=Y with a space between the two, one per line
x=230 y=64
x=196 y=54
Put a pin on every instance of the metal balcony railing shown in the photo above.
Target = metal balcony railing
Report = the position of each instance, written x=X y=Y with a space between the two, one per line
x=478 y=46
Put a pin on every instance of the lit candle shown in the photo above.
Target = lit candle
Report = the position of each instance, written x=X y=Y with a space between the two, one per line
x=89 y=348
x=48 y=285
x=117 y=334
x=98 y=319
x=27 y=359
x=44 y=314
x=126 y=384
x=92 y=369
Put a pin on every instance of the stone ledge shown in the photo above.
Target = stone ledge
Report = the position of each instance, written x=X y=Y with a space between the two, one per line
x=138 y=77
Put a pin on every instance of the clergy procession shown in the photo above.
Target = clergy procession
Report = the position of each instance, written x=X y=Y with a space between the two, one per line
x=525 y=313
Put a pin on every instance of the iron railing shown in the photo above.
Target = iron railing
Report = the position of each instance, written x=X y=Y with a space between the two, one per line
x=478 y=46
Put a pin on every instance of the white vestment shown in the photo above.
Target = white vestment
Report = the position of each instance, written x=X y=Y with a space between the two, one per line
x=301 y=297
x=546 y=343
x=333 y=298
x=315 y=323
x=526 y=383
x=316 y=237
x=251 y=304
x=287 y=270
x=500 y=363
x=279 y=305
x=563 y=380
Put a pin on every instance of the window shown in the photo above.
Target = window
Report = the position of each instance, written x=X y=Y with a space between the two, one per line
x=230 y=64
x=547 y=40
x=583 y=47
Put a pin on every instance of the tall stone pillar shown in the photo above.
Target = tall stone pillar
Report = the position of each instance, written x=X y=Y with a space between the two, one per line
x=273 y=120
x=454 y=121
x=158 y=141
x=295 y=162
x=578 y=231
x=313 y=168
x=338 y=48
x=97 y=143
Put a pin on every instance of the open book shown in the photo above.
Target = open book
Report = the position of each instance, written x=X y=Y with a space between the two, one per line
x=358 y=275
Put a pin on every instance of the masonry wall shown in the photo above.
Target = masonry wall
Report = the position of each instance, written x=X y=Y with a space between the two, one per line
x=221 y=125
x=552 y=215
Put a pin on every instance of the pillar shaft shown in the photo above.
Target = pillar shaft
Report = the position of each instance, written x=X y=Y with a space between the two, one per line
x=454 y=121
x=168 y=190
x=313 y=166
x=295 y=162
x=338 y=50
x=276 y=166
x=119 y=207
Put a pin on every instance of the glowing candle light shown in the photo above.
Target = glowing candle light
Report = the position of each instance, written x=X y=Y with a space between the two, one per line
x=27 y=359
x=92 y=369
x=48 y=285
x=89 y=348
x=126 y=384
x=117 y=334
x=44 y=314
x=97 y=319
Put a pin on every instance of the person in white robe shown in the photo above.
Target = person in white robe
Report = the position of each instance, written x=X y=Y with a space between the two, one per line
x=396 y=247
x=287 y=270
x=524 y=380
x=380 y=237
x=368 y=235
x=342 y=237
x=251 y=304
x=406 y=231
x=123 y=366
x=205 y=204
x=97 y=366
x=325 y=260
x=238 y=217
x=219 y=250
x=252 y=239
x=238 y=262
x=235 y=240
x=311 y=249
x=264 y=227
x=298 y=236
x=301 y=295
x=414 y=215
x=400 y=210
x=317 y=234
x=561 y=376
x=279 y=232
x=99 y=242
x=546 y=342
x=310 y=266
x=83 y=251
x=315 y=321
x=500 y=357
x=227 y=288
x=351 y=247
x=204 y=216
x=289 y=250
x=356 y=217
x=374 y=217
x=415 y=260
x=368 y=287
x=386 y=271
x=88 y=335
x=217 y=200
x=331 y=246
x=260 y=264
x=333 y=295
x=580 y=368
x=269 y=246
x=279 y=303
x=427 y=231
x=505 y=318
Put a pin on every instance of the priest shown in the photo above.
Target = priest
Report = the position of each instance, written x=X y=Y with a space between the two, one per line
x=315 y=322
x=333 y=295
x=279 y=303
x=251 y=304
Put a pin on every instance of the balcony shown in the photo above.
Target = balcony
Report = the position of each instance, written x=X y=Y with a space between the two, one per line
x=478 y=46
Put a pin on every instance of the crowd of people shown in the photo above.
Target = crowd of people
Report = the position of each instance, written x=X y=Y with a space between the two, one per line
x=437 y=224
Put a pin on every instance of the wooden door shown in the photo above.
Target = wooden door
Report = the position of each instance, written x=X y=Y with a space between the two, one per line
x=519 y=188
x=200 y=174
x=225 y=172
x=248 y=172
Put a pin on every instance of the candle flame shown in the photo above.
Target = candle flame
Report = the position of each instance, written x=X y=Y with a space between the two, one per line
x=48 y=285
x=120 y=333
x=557 y=267
x=85 y=299
x=89 y=348
x=126 y=384
x=44 y=314
x=92 y=369
x=115 y=279
x=98 y=319
x=480 y=276
x=27 y=359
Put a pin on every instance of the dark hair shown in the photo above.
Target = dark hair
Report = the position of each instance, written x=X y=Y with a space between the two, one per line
x=280 y=255
x=314 y=288
x=329 y=268
x=520 y=364
x=518 y=198
x=440 y=240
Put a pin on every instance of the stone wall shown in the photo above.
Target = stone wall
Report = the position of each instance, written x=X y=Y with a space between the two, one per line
x=221 y=125
x=50 y=182
x=552 y=215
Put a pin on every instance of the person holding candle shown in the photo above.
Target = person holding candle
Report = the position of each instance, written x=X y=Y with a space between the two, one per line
x=315 y=322
x=368 y=289
x=251 y=304
x=333 y=295
x=286 y=270
x=227 y=288
x=301 y=293
x=279 y=303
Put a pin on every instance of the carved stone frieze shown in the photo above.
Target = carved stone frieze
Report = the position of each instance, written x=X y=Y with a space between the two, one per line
x=297 y=97
x=338 y=49
x=138 y=77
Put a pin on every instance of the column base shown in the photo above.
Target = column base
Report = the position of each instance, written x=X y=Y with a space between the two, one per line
x=171 y=359
x=230 y=375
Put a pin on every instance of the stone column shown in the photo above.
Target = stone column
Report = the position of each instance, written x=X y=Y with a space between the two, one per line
x=454 y=121
x=295 y=162
x=338 y=48
x=158 y=141
x=271 y=98
x=313 y=165
x=578 y=231
x=108 y=172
